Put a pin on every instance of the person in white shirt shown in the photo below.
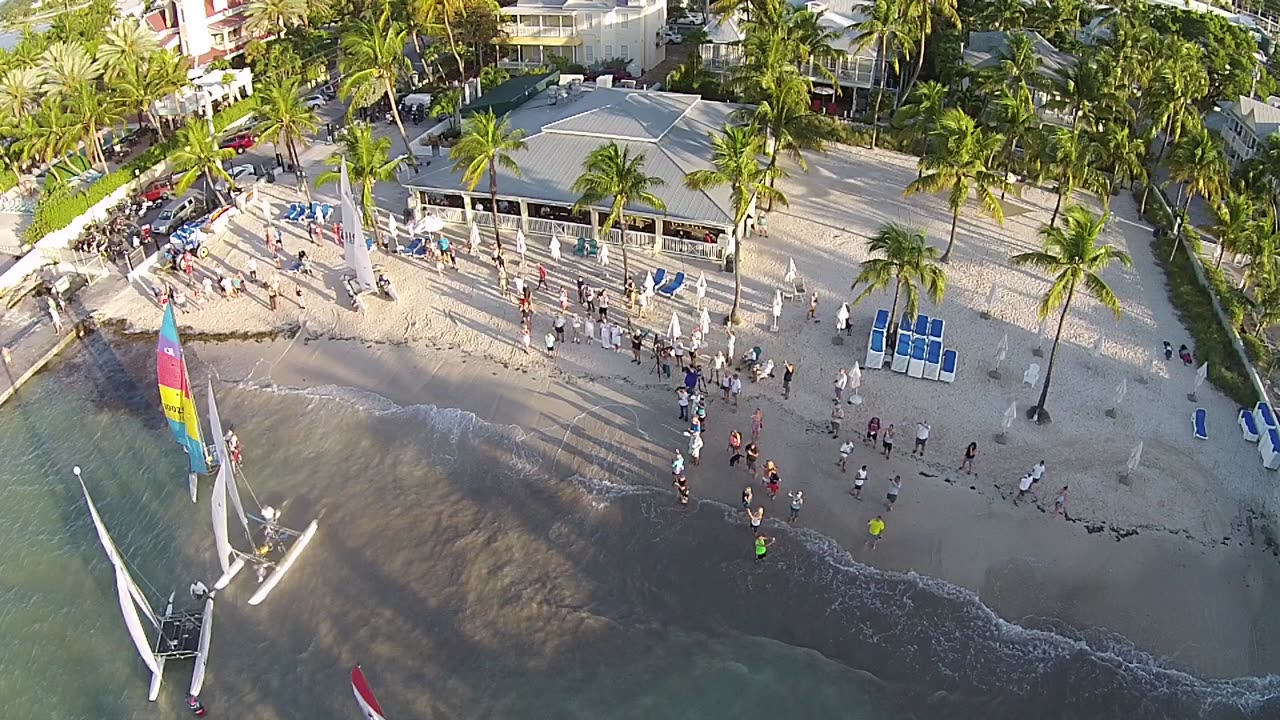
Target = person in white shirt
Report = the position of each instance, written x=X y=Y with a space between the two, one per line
x=735 y=388
x=922 y=437
x=682 y=397
x=717 y=366
x=858 y=481
x=1037 y=472
x=551 y=344
x=695 y=447
x=733 y=340
x=845 y=451
x=842 y=381
x=1024 y=488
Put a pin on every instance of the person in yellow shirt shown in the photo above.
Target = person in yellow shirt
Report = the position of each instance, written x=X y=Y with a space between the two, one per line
x=876 y=529
x=762 y=546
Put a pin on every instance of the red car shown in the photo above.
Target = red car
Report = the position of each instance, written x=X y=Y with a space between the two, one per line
x=240 y=142
x=157 y=189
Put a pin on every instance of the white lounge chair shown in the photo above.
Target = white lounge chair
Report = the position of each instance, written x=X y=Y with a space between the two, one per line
x=915 y=366
x=875 y=349
x=1248 y=426
x=1267 y=449
x=1200 y=424
x=949 y=360
x=933 y=360
x=1032 y=375
x=902 y=355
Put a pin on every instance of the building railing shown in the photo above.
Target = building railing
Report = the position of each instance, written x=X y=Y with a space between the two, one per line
x=505 y=222
x=693 y=248
x=447 y=214
x=540 y=31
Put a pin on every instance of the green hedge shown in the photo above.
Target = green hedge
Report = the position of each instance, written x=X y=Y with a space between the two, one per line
x=8 y=180
x=58 y=208
x=1194 y=306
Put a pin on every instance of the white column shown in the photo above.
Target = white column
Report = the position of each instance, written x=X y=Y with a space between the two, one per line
x=524 y=215
x=658 y=233
x=468 y=209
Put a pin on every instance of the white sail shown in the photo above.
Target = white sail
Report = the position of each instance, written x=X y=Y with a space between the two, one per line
x=227 y=481
x=354 y=248
x=218 y=505
x=131 y=598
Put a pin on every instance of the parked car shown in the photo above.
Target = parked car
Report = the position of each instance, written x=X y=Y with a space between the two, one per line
x=241 y=175
x=174 y=214
x=672 y=38
x=315 y=102
x=240 y=142
x=157 y=189
x=692 y=19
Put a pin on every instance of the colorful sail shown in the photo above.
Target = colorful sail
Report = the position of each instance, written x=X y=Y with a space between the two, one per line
x=175 y=393
x=369 y=708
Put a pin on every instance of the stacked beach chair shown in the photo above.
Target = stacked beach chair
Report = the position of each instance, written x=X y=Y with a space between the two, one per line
x=918 y=353
x=1259 y=425
x=301 y=212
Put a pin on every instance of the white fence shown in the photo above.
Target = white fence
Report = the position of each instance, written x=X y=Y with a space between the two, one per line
x=714 y=252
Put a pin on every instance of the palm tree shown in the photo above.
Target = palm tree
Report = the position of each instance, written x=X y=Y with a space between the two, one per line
x=94 y=110
x=960 y=163
x=1264 y=302
x=65 y=65
x=918 y=14
x=368 y=161
x=286 y=120
x=1198 y=163
x=788 y=126
x=1126 y=155
x=905 y=261
x=1071 y=163
x=735 y=162
x=1017 y=120
x=140 y=87
x=611 y=173
x=884 y=28
x=268 y=18
x=1002 y=15
x=1234 y=222
x=917 y=120
x=19 y=91
x=1074 y=257
x=372 y=62
x=1020 y=66
x=125 y=45
x=198 y=155
x=486 y=144
x=428 y=15
x=50 y=134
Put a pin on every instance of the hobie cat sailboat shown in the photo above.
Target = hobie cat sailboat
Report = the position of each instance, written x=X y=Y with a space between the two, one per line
x=274 y=549
x=176 y=397
x=179 y=635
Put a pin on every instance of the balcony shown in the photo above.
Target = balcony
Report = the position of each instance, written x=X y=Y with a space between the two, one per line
x=540 y=31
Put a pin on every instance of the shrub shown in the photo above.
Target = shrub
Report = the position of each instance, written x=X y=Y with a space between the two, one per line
x=8 y=180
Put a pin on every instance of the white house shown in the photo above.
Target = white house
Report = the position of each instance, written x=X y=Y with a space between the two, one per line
x=203 y=30
x=585 y=32
x=1247 y=123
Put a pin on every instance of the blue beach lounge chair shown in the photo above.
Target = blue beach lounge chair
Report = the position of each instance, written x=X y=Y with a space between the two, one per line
x=902 y=354
x=670 y=289
x=875 y=349
x=915 y=366
x=922 y=325
x=904 y=326
x=1248 y=426
x=659 y=277
x=1263 y=416
x=949 y=360
x=1267 y=449
x=882 y=321
x=933 y=360
x=936 y=327
x=1200 y=424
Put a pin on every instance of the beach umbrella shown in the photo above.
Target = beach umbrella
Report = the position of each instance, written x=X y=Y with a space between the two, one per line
x=604 y=256
x=393 y=228
x=1002 y=351
x=790 y=277
x=648 y=284
x=1116 y=399
x=1010 y=415
x=673 y=330
x=704 y=321
x=522 y=245
x=429 y=224
x=554 y=247
x=474 y=238
x=1135 y=458
x=1044 y=325
x=701 y=287
x=842 y=316
x=1202 y=372
x=855 y=381
x=777 y=307
x=992 y=295
x=1096 y=350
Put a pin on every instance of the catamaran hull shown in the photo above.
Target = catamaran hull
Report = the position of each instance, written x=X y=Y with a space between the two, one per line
x=290 y=557
x=234 y=569
x=191 y=485
x=202 y=651
x=158 y=677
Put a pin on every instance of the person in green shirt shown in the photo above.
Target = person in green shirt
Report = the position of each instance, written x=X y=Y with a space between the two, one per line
x=876 y=529
x=762 y=546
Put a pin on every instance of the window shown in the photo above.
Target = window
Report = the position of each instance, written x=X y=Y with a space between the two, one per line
x=590 y=51
x=608 y=52
x=626 y=21
x=625 y=53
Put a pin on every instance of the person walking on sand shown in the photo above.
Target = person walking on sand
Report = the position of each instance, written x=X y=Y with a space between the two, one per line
x=524 y=337
x=564 y=300
x=813 y=306
x=582 y=295
x=842 y=381
x=971 y=452
x=859 y=480
x=895 y=487
x=773 y=482
x=576 y=323
x=837 y=417
x=253 y=270
x=873 y=431
x=551 y=344
x=590 y=329
x=845 y=450
x=1037 y=472
x=797 y=500
x=682 y=489
x=542 y=278
x=922 y=437
x=735 y=389
x=677 y=463
x=886 y=442
x=606 y=333
x=695 y=447
x=1024 y=489
x=755 y=517
x=302 y=300
x=616 y=337
x=273 y=295
x=762 y=547
x=753 y=455
x=788 y=374
x=682 y=399
x=637 y=344
x=746 y=498
x=735 y=448
x=602 y=301
x=757 y=424
x=1060 y=503
x=875 y=531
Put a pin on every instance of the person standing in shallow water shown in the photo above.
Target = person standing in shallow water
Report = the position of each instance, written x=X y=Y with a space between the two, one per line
x=762 y=547
x=756 y=517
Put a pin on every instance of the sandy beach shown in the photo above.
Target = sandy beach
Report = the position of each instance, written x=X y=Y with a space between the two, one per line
x=1179 y=561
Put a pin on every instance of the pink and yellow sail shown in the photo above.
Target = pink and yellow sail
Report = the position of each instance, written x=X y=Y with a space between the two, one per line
x=175 y=394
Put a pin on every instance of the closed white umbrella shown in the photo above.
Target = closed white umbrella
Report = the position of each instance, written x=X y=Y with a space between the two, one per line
x=1135 y=458
x=648 y=283
x=842 y=316
x=522 y=245
x=855 y=381
x=673 y=330
x=1097 y=345
x=1118 y=397
x=1002 y=351
x=604 y=256
x=704 y=321
x=790 y=277
x=992 y=295
x=554 y=247
x=1202 y=372
x=701 y=288
x=1006 y=422
x=475 y=238
x=777 y=307
x=393 y=228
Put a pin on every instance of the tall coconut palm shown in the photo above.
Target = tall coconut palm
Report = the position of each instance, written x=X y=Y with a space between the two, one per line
x=198 y=156
x=372 y=62
x=125 y=45
x=903 y=259
x=918 y=14
x=1198 y=163
x=19 y=91
x=486 y=144
x=884 y=28
x=272 y=17
x=788 y=126
x=1125 y=157
x=50 y=134
x=918 y=119
x=1072 y=156
x=65 y=65
x=1234 y=222
x=1020 y=67
x=612 y=174
x=286 y=120
x=735 y=163
x=141 y=86
x=95 y=110
x=960 y=162
x=1002 y=15
x=1074 y=257
x=369 y=162
x=1018 y=121
x=428 y=15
